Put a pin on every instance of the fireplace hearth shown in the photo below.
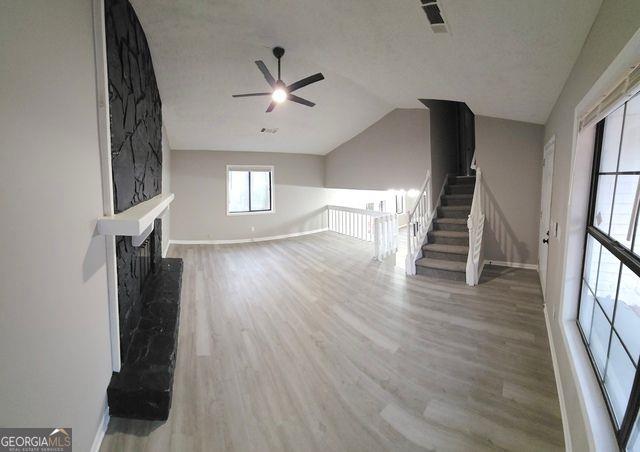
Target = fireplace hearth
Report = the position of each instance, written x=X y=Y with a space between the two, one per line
x=143 y=387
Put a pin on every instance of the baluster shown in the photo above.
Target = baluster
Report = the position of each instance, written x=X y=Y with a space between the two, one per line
x=385 y=236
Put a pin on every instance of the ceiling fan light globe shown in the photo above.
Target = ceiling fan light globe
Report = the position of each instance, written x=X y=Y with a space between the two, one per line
x=279 y=95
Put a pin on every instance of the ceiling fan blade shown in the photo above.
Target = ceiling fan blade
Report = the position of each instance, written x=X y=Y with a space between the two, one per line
x=251 y=94
x=271 y=106
x=305 y=81
x=300 y=100
x=267 y=75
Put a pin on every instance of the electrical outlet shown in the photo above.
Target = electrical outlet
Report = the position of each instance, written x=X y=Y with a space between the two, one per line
x=253 y=229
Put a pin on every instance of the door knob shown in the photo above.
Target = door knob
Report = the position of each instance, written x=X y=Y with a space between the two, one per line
x=545 y=241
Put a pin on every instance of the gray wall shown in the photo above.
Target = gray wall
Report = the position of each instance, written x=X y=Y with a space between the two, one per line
x=443 y=142
x=615 y=24
x=510 y=156
x=54 y=320
x=393 y=153
x=198 y=179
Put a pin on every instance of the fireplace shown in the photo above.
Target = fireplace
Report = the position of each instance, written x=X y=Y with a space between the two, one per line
x=134 y=266
x=148 y=285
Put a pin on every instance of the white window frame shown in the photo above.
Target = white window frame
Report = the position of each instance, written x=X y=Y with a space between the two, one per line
x=600 y=434
x=269 y=168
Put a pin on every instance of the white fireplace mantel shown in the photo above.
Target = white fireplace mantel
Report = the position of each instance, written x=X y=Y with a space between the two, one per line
x=136 y=221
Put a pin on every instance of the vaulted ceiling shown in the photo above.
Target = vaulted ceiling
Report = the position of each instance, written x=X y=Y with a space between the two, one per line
x=504 y=58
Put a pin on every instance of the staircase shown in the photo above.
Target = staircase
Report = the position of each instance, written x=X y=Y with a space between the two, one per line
x=447 y=248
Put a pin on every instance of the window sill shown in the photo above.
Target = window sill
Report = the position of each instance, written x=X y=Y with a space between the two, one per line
x=259 y=212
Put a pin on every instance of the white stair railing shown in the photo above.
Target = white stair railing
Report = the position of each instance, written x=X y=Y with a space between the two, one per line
x=475 y=223
x=418 y=225
x=381 y=228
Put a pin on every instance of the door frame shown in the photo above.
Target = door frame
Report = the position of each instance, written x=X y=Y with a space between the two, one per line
x=548 y=156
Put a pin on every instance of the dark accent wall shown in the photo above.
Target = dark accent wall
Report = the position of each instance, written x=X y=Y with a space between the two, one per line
x=136 y=151
x=444 y=142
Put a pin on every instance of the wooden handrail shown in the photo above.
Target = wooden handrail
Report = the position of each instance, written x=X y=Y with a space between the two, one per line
x=371 y=213
x=418 y=224
x=381 y=228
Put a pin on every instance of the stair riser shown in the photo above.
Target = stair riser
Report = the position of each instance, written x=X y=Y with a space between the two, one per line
x=448 y=240
x=442 y=274
x=453 y=213
x=451 y=227
x=460 y=189
x=444 y=256
x=456 y=201
x=462 y=180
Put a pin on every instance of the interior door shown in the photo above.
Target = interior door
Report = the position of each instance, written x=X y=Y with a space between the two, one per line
x=545 y=212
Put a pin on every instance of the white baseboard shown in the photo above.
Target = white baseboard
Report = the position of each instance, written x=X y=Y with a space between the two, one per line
x=556 y=373
x=511 y=264
x=251 y=240
x=102 y=429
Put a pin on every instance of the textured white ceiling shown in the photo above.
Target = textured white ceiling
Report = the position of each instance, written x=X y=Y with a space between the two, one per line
x=504 y=58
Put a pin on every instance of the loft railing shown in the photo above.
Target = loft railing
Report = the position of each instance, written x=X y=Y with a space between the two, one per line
x=475 y=223
x=380 y=228
x=418 y=225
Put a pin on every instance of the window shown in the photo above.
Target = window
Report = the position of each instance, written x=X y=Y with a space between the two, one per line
x=249 y=189
x=609 y=308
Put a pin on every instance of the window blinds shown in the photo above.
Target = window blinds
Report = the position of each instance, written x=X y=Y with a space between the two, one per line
x=623 y=91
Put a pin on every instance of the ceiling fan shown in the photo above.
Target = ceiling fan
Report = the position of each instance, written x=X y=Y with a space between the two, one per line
x=281 y=92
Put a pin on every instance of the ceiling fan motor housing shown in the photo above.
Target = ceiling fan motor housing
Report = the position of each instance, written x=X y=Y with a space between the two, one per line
x=278 y=52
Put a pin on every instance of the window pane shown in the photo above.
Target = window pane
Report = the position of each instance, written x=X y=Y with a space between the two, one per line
x=623 y=208
x=630 y=152
x=627 y=321
x=238 y=191
x=619 y=378
x=586 y=310
x=611 y=141
x=599 y=342
x=636 y=243
x=634 y=440
x=607 y=281
x=260 y=193
x=591 y=261
x=604 y=201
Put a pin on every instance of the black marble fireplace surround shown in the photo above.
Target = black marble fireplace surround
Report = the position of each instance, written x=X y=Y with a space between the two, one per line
x=148 y=286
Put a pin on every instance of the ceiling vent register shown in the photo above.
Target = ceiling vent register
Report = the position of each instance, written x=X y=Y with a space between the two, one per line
x=435 y=16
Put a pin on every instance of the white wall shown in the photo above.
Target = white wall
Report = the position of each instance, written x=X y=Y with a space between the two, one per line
x=198 y=179
x=615 y=24
x=54 y=321
x=510 y=156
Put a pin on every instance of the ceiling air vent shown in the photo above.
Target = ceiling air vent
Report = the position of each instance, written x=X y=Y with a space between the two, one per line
x=272 y=131
x=434 y=13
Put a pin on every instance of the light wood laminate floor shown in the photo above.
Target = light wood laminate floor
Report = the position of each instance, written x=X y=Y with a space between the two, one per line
x=307 y=344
